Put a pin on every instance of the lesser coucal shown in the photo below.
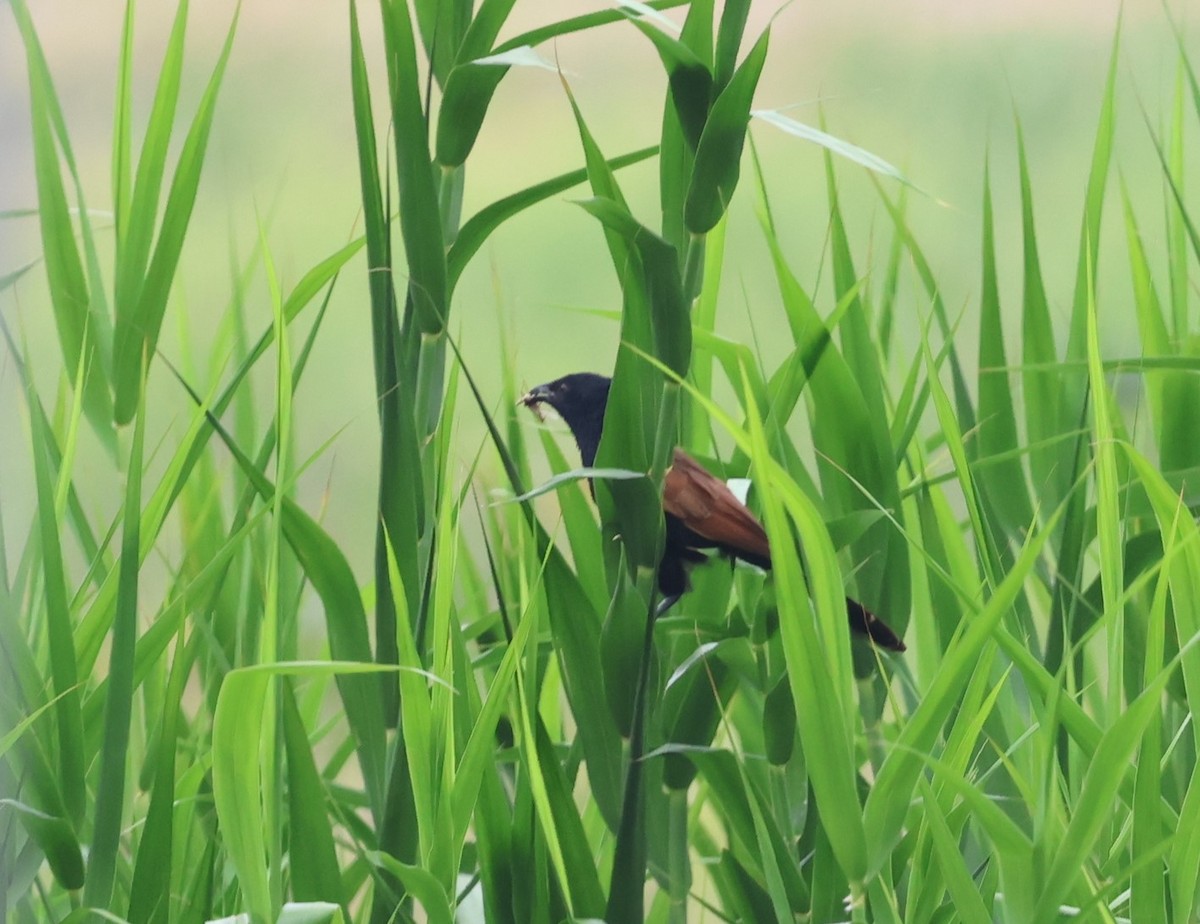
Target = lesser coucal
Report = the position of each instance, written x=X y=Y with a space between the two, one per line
x=700 y=510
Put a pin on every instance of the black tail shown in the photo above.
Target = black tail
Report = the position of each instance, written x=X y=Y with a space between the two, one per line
x=864 y=622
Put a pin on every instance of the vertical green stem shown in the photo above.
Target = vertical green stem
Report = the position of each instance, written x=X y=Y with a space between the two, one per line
x=693 y=267
x=667 y=436
x=450 y=196
x=431 y=367
x=625 y=892
x=693 y=285
x=695 y=422
x=680 y=868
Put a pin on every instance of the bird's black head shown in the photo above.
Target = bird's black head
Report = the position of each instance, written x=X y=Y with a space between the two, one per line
x=580 y=399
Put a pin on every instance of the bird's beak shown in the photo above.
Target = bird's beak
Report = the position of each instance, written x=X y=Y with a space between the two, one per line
x=533 y=399
x=535 y=396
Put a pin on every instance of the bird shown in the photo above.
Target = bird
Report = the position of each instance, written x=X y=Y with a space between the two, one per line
x=700 y=511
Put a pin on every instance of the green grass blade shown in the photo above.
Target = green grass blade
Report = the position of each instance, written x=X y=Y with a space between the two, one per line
x=331 y=577
x=122 y=171
x=485 y=25
x=416 y=718
x=962 y=395
x=539 y=792
x=997 y=419
x=670 y=314
x=967 y=901
x=476 y=230
x=689 y=77
x=694 y=425
x=1174 y=397
x=1104 y=775
x=1148 y=898
x=582 y=883
x=312 y=857
x=831 y=143
x=136 y=207
x=632 y=509
x=889 y=799
x=853 y=446
x=237 y=736
x=78 y=303
x=56 y=839
x=678 y=150
x=137 y=332
x=422 y=885
x=69 y=294
x=887 y=572
x=582 y=533
x=237 y=743
x=469 y=87
x=1184 y=858
x=1042 y=391
x=59 y=630
x=1180 y=533
x=729 y=41
x=110 y=790
x=468 y=93
x=401 y=502
x=420 y=214
x=148 y=902
x=575 y=628
x=1178 y=222
x=1108 y=516
x=477 y=754
x=1089 y=234
x=818 y=662
x=719 y=151
x=443 y=24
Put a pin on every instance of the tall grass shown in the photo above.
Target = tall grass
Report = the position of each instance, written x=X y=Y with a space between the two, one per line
x=494 y=725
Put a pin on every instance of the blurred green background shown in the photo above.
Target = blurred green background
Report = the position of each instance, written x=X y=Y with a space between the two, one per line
x=930 y=85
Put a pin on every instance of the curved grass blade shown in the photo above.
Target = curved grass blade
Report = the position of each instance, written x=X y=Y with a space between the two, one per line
x=153 y=867
x=574 y=475
x=400 y=497
x=311 y=853
x=689 y=77
x=1105 y=774
x=719 y=152
x=59 y=629
x=56 y=839
x=70 y=297
x=670 y=313
x=576 y=631
x=236 y=771
x=888 y=802
x=998 y=424
x=346 y=623
x=817 y=656
x=729 y=41
x=97 y=324
x=477 y=229
x=420 y=214
x=139 y=321
x=136 y=204
x=421 y=884
x=637 y=411
x=469 y=88
x=1042 y=389
x=110 y=790
x=833 y=144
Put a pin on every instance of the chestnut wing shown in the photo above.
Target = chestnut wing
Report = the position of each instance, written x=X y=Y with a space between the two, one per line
x=707 y=507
